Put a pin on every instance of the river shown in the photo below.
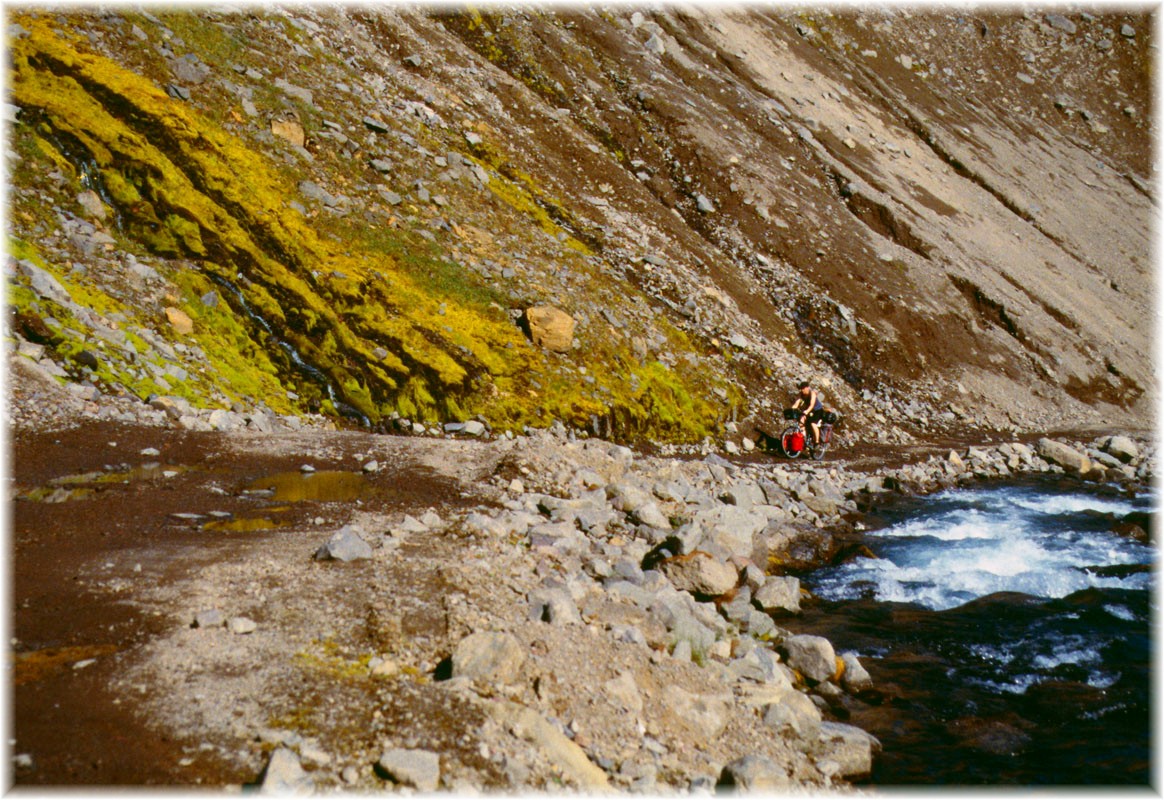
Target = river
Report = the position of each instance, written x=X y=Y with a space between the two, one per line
x=1009 y=631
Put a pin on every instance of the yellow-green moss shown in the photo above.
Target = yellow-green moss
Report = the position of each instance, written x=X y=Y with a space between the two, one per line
x=338 y=293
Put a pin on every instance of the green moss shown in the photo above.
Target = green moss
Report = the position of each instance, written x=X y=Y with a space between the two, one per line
x=391 y=322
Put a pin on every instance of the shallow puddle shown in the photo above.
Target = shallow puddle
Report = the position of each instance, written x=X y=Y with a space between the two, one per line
x=37 y=664
x=319 y=487
x=242 y=525
x=85 y=484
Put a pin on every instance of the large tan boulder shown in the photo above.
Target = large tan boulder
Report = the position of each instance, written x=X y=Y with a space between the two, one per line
x=1064 y=455
x=180 y=321
x=550 y=328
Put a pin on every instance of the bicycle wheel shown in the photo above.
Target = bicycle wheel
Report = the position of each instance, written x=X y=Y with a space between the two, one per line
x=786 y=442
x=826 y=436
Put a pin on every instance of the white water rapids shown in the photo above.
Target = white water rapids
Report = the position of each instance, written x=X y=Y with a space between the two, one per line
x=972 y=543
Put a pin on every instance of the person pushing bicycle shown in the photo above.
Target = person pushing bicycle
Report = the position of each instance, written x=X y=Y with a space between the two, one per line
x=811 y=409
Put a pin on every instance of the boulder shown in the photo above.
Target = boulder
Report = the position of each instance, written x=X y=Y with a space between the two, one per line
x=730 y=527
x=845 y=750
x=811 y=656
x=779 y=593
x=284 y=774
x=553 y=744
x=855 y=677
x=289 y=130
x=624 y=692
x=550 y=328
x=1065 y=456
x=704 y=714
x=344 y=545
x=1122 y=448
x=699 y=573
x=209 y=618
x=488 y=656
x=795 y=713
x=649 y=514
x=180 y=321
x=554 y=606
x=420 y=769
x=754 y=773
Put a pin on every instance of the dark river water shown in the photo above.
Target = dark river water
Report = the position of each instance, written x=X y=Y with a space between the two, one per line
x=1009 y=631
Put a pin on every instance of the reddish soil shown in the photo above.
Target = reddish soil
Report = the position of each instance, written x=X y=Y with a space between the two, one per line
x=58 y=619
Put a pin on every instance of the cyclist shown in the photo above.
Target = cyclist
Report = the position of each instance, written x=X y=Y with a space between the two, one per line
x=811 y=409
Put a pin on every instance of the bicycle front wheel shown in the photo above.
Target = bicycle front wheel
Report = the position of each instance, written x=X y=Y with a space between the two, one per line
x=787 y=442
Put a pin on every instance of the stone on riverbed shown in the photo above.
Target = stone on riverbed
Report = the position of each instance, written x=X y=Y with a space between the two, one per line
x=1122 y=448
x=1065 y=456
x=811 y=656
x=855 y=678
x=779 y=593
x=345 y=545
x=845 y=750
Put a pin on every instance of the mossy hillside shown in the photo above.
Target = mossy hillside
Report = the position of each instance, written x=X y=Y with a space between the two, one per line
x=184 y=197
x=445 y=347
x=131 y=368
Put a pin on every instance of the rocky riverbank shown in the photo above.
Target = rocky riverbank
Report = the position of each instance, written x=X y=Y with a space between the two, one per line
x=559 y=612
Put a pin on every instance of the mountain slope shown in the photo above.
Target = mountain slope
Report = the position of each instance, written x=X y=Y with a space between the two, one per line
x=943 y=218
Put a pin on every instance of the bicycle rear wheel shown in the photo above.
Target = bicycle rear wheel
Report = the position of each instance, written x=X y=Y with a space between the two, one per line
x=826 y=436
x=786 y=442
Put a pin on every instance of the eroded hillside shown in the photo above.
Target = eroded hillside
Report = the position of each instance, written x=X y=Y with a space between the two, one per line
x=943 y=217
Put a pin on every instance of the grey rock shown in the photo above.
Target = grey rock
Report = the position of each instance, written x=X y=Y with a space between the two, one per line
x=241 y=625
x=627 y=497
x=704 y=204
x=488 y=656
x=730 y=527
x=44 y=284
x=855 y=678
x=1060 y=22
x=284 y=774
x=1122 y=448
x=655 y=45
x=760 y=665
x=701 y=574
x=298 y=92
x=313 y=191
x=755 y=773
x=779 y=593
x=209 y=618
x=554 y=606
x=745 y=495
x=1127 y=31
x=624 y=691
x=344 y=545
x=706 y=714
x=91 y=202
x=373 y=124
x=794 y=712
x=811 y=656
x=738 y=608
x=420 y=769
x=189 y=69
x=390 y=197
x=1063 y=455
x=649 y=514
x=849 y=748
